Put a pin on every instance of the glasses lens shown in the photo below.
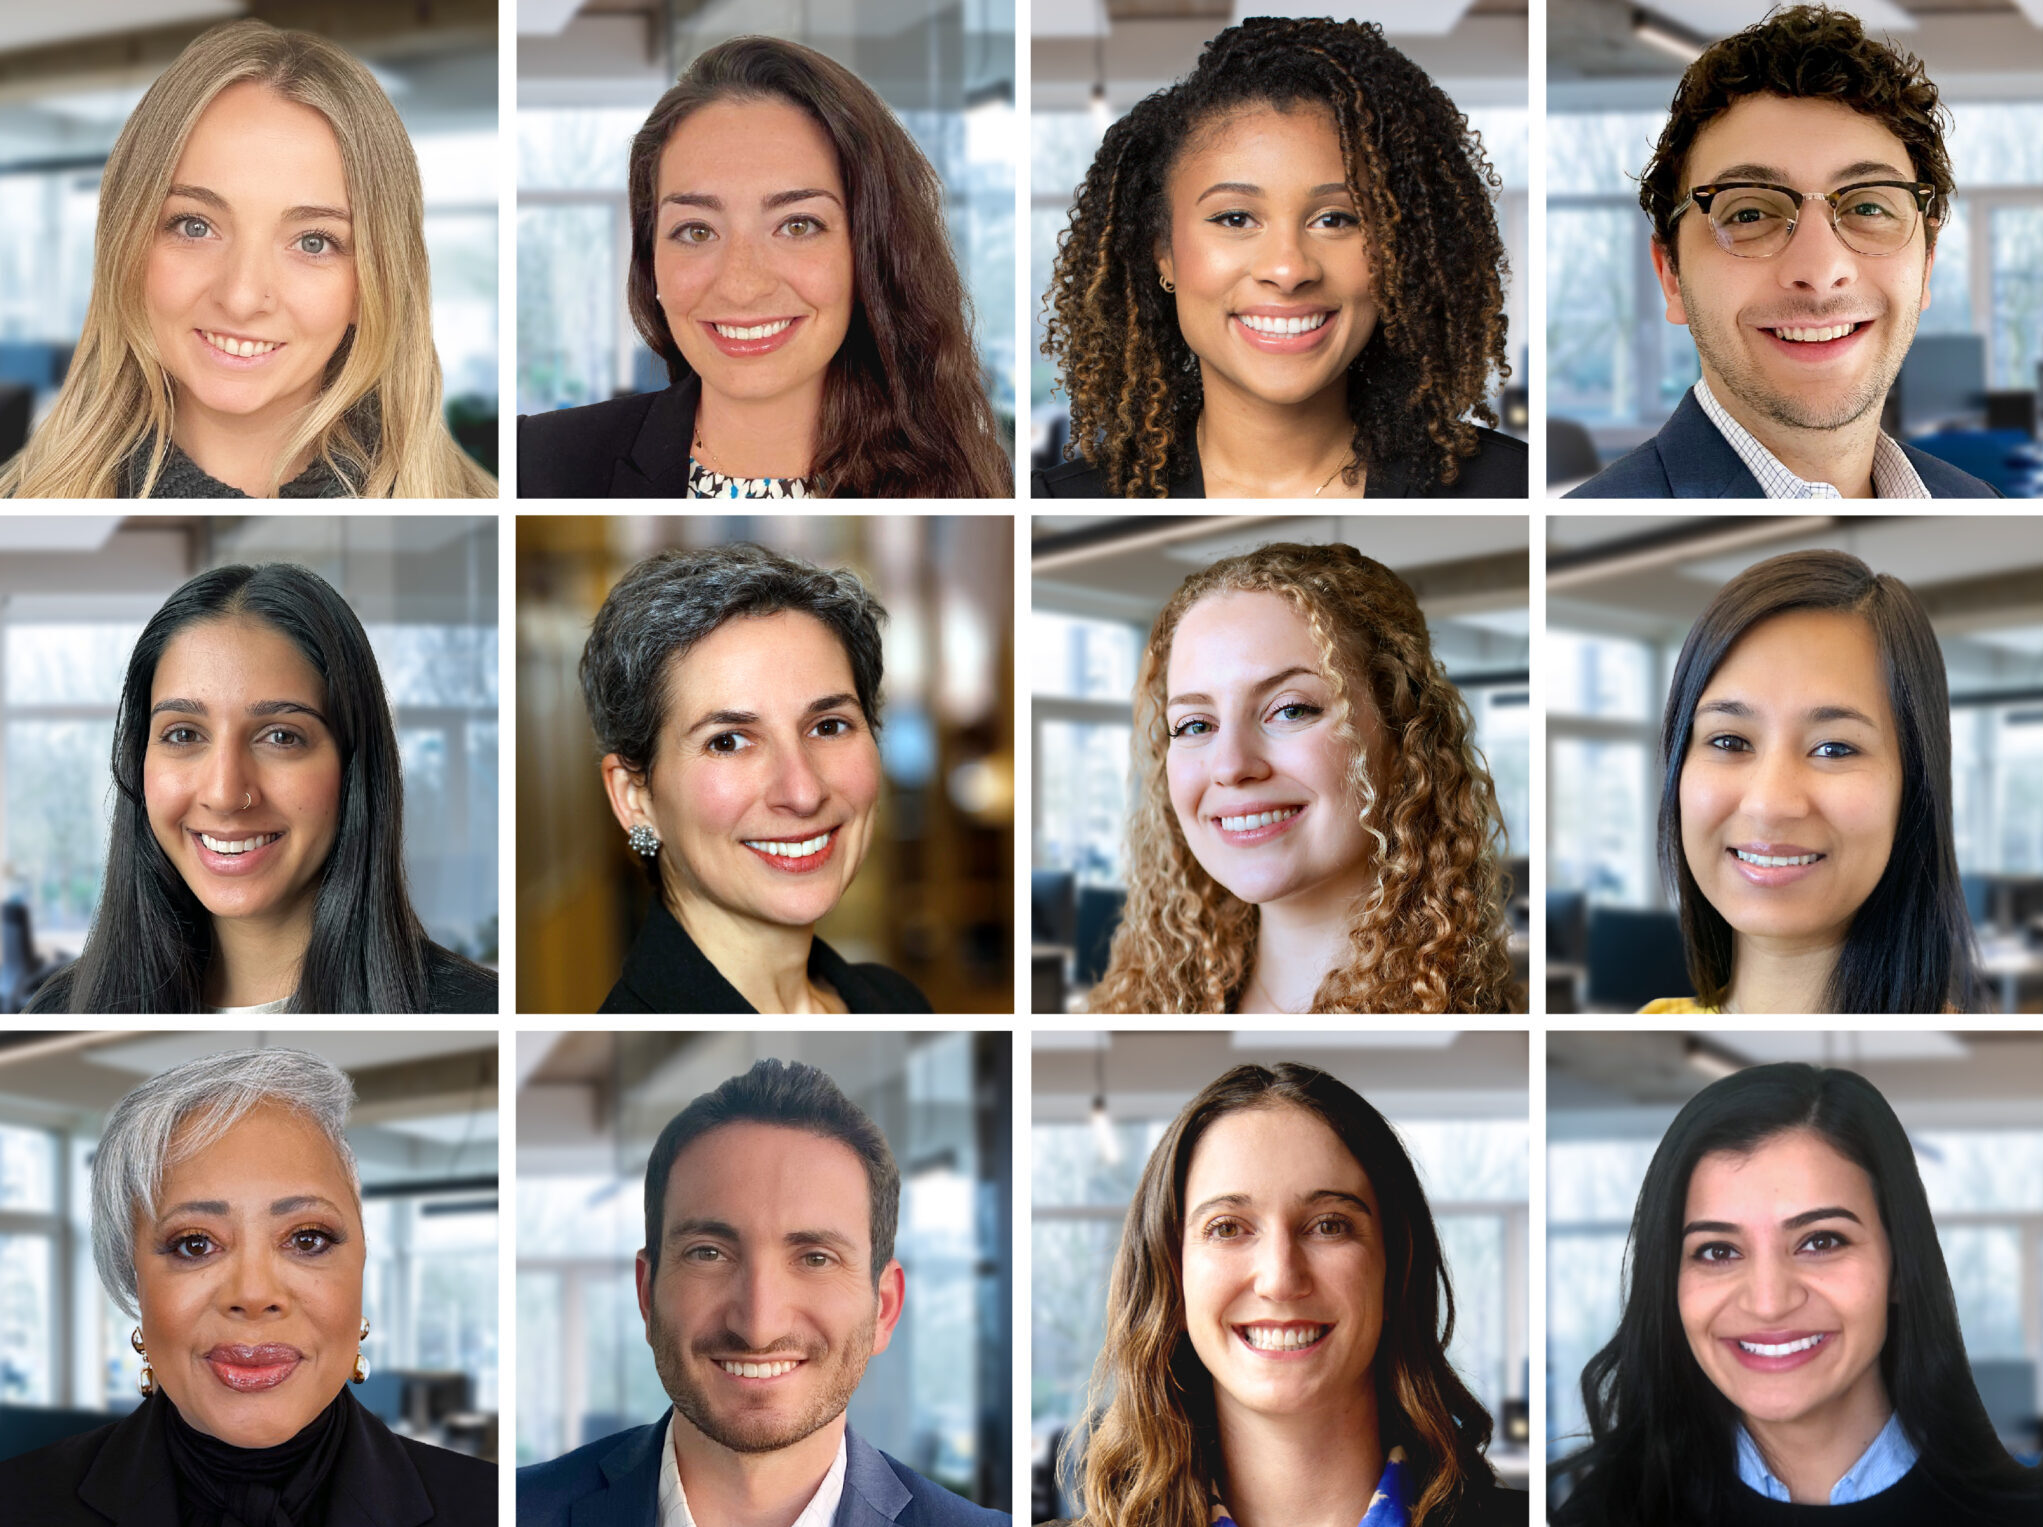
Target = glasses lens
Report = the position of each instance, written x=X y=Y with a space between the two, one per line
x=1753 y=222
x=1876 y=219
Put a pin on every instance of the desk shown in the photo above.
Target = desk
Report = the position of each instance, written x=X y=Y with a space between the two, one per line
x=2013 y=965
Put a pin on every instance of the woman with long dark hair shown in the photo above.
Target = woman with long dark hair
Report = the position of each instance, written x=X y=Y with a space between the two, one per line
x=1789 y=1336
x=1805 y=799
x=255 y=857
x=1277 y=1327
x=791 y=266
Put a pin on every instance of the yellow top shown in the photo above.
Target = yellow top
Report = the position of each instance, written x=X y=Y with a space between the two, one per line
x=1676 y=1005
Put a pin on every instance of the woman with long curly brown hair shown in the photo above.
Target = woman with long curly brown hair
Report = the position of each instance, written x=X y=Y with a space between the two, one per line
x=1283 y=278
x=791 y=265
x=1276 y=1334
x=1314 y=829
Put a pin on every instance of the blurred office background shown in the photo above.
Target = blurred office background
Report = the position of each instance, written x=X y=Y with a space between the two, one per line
x=1099 y=583
x=590 y=70
x=1622 y=591
x=1616 y=369
x=935 y=896
x=1972 y=1104
x=69 y=76
x=1092 y=60
x=75 y=593
x=1101 y=1102
x=424 y=1134
x=590 y=1106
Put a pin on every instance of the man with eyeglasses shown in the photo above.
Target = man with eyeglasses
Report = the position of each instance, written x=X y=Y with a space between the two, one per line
x=1795 y=194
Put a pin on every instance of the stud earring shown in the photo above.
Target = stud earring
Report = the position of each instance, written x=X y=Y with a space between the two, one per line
x=644 y=841
x=1165 y=282
x=146 y=1381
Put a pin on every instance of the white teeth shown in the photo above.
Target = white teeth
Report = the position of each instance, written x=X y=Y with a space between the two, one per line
x=1774 y=861
x=799 y=850
x=757 y=1370
x=1816 y=336
x=1259 y=819
x=245 y=348
x=1264 y=325
x=1786 y=1348
x=237 y=845
x=755 y=331
x=1282 y=1338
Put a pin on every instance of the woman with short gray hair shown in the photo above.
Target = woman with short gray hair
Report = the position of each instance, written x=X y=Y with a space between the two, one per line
x=734 y=694
x=227 y=1216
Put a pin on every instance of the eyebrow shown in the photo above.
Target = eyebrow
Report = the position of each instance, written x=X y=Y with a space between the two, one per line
x=1793 y=1222
x=767 y=203
x=751 y=718
x=1775 y=173
x=280 y=1206
x=292 y=215
x=1818 y=713
x=1243 y=188
x=259 y=708
x=1239 y=1200
x=1261 y=685
x=723 y=1230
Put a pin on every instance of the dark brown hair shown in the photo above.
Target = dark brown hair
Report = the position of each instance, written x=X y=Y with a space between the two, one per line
x=1807 y=52
x=905 y=413
x=1422 y=187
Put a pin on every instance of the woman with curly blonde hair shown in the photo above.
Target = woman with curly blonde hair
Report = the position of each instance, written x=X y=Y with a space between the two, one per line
x=260 y=324
x=1283 y=278
x=1315 y=830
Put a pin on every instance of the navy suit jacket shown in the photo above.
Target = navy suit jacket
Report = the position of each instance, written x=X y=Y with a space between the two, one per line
x=616 y=1483
x=1690 y=458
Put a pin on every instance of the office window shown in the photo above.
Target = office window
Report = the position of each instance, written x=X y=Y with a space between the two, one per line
x=1081 y=772
x=1503 y=734
x=430 y=1286
x=1083 y=659
x=1600 y=676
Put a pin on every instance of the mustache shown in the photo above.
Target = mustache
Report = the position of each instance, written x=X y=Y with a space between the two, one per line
x=729 y=1346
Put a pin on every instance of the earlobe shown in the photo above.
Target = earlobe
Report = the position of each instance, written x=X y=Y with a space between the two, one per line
x=1670 y=284
x=630 y=798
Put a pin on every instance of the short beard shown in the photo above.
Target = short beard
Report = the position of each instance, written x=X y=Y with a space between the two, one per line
x=751 y=1432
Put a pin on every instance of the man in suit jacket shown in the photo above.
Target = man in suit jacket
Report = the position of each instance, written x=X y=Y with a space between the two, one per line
x=767 y=1282
x=1795 y=195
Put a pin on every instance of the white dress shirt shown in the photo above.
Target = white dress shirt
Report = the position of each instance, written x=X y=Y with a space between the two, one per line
x=819 y=1512
x=1894 y=475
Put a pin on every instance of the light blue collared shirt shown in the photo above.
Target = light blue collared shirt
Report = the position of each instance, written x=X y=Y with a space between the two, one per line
x=1879 y=1468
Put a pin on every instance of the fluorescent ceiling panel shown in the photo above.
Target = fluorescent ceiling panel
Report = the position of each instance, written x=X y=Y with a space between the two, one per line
x=1342 y=1039
x=31 y=26
x=1843 y=1048
x=1398 y=18
x=84 y=532
x=545 y=18
x=1720 y=18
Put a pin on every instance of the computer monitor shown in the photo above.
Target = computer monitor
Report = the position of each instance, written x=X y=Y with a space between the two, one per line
x=1942 y=383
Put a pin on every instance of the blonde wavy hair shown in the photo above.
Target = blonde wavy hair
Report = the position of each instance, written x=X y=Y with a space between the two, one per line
x=377 y=424
x=1146 y=1453
x=1430 y=938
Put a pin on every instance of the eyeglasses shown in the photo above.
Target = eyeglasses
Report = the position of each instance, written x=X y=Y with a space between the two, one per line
x=1755 y=221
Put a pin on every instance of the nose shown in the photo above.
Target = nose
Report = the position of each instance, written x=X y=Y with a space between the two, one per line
x=1281 y=1271
x=759 y=1311
x=1776 y=789
x=229 y=781
x=1284 y=259
x=745 y=274
x=1238 y=756
x=796 y=785
x=247 y=280
x=1816 y=260
x=1773 y=1287
x=252 y=1289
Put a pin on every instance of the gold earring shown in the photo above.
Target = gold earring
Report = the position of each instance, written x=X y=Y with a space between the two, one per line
x=362 y=1358
x=146 y=1380
x=1165 y=282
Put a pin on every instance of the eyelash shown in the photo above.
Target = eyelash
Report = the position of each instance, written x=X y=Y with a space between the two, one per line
x=335 y=244
x=1342 y=220
x=679 y=230
x=1702 y=1253
x=845 y=722
x=170 y=738
x=1306 y=710
x=1211 y=1230
x=1731 y=742
x=329 y=1237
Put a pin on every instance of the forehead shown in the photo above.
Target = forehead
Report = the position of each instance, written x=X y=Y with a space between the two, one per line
x=1273 y=1155
x=1811 y=145
x=1239 y=636
x=1277 y=148
x=233 y=659
x=270 y=1152
x=759 y=663
x=1805 y=659
x=251 y=145
x=745 y=149
x=766 y=1180
x=1777 y=1179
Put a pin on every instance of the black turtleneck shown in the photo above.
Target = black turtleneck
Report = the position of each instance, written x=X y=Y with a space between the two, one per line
x=220 y=1485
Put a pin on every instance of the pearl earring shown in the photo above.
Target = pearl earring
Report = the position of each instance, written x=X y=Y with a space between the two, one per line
x=643 y=840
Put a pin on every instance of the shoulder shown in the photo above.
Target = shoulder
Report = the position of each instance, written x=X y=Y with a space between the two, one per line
x=570 y=452
x=1944 y=480
x=463 y=1489
x=1666 y=1005
x=1071 y=479
x=457 y=985
x=931 y=1505
x=1639 y=473
x=889 y=991
x=41 y=1487
x=1500 y=468
x=548 y=1491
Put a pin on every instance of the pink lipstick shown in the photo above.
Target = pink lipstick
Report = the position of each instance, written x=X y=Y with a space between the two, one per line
x=249 y=1370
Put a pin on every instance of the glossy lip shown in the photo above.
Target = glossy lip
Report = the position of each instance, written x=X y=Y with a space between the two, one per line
x=740 y=348
x=1295 y=1354
x=1771 y=877
x=747 y=1357
x=1793 y=1360
x=802 y=866
x=1817 y=354
x=249 y=1370
x=1256 y=835
x=1282 y=344
x=236 y=864
x=238 y=362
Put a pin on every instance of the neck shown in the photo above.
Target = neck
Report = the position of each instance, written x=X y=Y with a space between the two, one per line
x=1782 y=975
x=732 y=1489
x=257 y=960
x=1842 y=457
x=767 y=962
x=240 y=452
x=1811 y=1453
x=1315 y=1470
x=1250 y=448
x=764 y=437
x=1301 y=938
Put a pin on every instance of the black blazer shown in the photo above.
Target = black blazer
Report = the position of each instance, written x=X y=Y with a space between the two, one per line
x=1500 y=468
x=121 y=1474
x=453 y=985
x=633 y=447
x=666 y=973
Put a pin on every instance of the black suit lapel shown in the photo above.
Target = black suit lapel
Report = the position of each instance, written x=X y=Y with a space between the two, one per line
x=375 y=1483
x=658 y=464
x=130 y=1481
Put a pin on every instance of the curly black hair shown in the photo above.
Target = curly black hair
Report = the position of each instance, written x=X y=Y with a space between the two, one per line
x=1422 y=186
x=1806 y=52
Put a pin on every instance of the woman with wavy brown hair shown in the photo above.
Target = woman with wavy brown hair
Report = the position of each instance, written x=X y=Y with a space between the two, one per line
x=1315 y=830
x=1283 y=278
x=1276 y=1336
x=791 y=266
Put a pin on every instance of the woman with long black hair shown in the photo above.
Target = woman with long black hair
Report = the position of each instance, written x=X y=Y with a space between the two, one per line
x=1789 y=1336
x=255 y=858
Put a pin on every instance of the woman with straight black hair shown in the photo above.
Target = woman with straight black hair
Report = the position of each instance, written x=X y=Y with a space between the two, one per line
x=1789 y=1335
x=255 y=857
x=1805 y=800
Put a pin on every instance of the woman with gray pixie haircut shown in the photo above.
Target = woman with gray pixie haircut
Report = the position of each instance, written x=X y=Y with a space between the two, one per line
x=734 y=694
x=227 y=1218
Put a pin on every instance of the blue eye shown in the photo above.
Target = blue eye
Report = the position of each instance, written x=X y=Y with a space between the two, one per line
x=1191 y=726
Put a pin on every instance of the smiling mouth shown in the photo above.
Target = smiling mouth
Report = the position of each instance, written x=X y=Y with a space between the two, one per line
x=1774 y=861
x=1282 y=1338
x=775 y=1368
x=1813 y=336
x=752 y=331
x=790 y=848
x=236 y=845
x=1785 y=1348
x=1258 y=819
x=1304 y=324
x=245 y=349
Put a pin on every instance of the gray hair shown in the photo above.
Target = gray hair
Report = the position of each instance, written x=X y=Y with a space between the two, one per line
x=666 y=604
x=203 y=1098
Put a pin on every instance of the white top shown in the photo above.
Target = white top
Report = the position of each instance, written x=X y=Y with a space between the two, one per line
x=1894 y=475
x=819 y=1512
x=278 y=1006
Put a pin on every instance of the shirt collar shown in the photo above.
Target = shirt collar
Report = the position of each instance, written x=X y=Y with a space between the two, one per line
x=1894 y=475
x=1389 y=1505
x=819 y=1512
x=1880 y=1467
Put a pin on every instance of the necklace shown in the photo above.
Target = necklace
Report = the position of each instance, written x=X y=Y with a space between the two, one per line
x=1199 y=431
x=1255 y=985
x=1316 y=492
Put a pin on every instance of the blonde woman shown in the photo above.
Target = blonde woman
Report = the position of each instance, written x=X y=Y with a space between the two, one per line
x=1316 y=832
x=260 y=323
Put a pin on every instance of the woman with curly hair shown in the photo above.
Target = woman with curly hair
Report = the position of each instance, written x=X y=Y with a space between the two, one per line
x=1283 y=278
x=1315 y=830
x=791 y=267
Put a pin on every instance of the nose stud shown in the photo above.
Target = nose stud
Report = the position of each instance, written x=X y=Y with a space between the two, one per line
x=247 y=799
